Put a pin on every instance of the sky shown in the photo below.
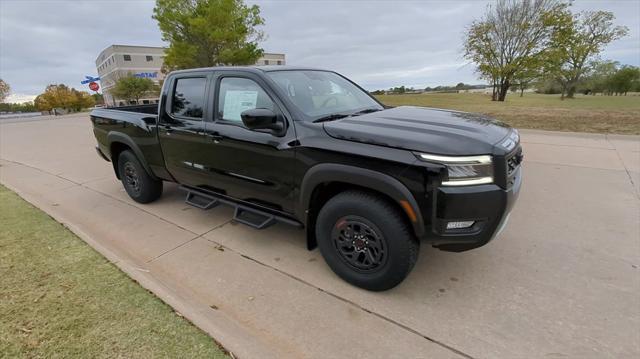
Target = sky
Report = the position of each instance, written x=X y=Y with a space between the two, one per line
x=378 y=44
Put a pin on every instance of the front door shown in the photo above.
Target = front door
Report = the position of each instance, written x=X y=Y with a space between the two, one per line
x=249 y=165
x=181 y=127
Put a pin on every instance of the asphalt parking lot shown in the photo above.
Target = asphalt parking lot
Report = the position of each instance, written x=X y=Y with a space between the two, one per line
x=562 y=280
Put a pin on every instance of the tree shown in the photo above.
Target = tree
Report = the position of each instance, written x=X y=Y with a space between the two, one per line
x=98 y=98
x=599 y=78
x=575 y=43
x=5 y=90
x=82 y=99
x=625 y=79
x=61 y=96
x=132 y=88
x=204 y=33
x=17 y=107
x=510 y=36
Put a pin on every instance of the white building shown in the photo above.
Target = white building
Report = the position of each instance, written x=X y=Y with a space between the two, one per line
x=117 y=61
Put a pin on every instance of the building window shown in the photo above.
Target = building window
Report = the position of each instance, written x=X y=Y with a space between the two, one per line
x=279 y=62
x=266 y=62
x=149 y=58
x=127 y=57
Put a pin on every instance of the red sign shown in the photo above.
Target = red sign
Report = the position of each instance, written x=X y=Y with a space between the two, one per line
x=94 y=86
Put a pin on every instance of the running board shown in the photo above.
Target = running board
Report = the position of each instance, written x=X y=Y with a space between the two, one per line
x=201 y=202
x=251 y=216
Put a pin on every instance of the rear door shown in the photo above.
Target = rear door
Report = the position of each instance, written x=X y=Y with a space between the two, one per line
x=245 y=164
x=181 y=126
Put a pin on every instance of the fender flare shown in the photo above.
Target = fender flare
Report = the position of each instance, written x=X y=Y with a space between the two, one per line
x=122 y=138
x=377 y=181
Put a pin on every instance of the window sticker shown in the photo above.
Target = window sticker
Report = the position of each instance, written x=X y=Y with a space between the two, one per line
x=235 y=102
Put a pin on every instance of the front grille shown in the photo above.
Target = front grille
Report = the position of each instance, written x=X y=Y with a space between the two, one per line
x=513 y=161
x=508 y=167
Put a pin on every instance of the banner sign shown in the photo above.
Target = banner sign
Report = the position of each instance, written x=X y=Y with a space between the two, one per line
x=147 y=75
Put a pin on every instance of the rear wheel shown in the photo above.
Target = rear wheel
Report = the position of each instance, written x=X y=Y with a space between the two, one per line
x=366 y=240
x=140 y=186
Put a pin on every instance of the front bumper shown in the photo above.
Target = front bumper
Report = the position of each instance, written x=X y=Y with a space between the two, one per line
x=102 y=155
x=488 y=206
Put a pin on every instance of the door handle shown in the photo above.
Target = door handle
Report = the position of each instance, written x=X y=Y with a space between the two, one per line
x=168 y=128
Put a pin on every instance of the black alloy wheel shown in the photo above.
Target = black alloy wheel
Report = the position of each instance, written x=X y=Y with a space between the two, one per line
x=360 y=243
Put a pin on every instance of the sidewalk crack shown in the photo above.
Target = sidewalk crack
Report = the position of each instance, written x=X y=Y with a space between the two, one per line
x=633 y=185
x=345 y=300
x=187 y=242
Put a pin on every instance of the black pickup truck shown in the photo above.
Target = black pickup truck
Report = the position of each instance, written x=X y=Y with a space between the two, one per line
x=310 y=148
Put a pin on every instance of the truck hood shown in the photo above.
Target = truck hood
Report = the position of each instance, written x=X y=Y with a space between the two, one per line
x=422 y=129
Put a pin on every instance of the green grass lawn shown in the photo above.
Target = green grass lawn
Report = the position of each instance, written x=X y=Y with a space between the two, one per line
x=603 y=114
x=60 y=298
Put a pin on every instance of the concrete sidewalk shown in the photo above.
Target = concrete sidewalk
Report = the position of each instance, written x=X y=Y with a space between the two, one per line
x=561 y=281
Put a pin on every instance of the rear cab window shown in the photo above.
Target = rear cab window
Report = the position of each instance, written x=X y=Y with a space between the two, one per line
x=189 y=97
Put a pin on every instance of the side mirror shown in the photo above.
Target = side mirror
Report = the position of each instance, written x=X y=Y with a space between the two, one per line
x=262 y=120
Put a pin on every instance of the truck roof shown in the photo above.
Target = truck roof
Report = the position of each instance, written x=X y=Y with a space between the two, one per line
x=254 y=69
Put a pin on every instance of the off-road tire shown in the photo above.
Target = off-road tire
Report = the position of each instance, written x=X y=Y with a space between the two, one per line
x=140 y=186
x=352 y=212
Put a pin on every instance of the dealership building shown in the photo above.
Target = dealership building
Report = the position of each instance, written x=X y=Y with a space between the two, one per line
x=117 y=61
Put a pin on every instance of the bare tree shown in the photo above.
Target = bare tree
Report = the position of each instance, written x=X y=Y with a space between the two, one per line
x=508 y=38
x=576 y=42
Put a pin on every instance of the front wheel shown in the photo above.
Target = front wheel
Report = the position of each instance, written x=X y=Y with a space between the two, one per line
x=366 y=240
x=140 y=186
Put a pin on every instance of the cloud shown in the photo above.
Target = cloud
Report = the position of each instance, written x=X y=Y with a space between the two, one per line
x=19 y=98
x=378 y=44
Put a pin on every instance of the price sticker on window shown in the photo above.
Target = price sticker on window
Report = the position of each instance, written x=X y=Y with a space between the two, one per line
x=236 y=102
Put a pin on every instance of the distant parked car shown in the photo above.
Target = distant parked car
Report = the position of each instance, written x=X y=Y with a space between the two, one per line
x=310 y=148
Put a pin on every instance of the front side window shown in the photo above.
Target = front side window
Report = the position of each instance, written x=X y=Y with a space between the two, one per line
x=127 y=57
x=188 y=97
x=322 y=93
x=237 y=95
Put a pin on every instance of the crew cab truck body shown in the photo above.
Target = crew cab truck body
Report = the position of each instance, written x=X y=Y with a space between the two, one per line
x=310 y=148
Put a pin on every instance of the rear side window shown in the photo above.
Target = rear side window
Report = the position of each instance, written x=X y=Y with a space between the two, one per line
x=188 y=97
x=237 y=95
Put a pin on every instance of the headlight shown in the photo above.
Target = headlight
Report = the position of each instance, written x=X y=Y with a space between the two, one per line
x=463 y=170
x=510 y=142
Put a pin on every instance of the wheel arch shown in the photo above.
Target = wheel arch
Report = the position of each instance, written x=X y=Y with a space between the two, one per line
x=119 y=142
x=323 y=181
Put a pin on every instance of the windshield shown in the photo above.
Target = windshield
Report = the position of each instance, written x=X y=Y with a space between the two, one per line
x=322 y=93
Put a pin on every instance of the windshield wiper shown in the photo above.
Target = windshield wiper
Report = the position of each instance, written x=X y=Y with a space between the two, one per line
x=366 y=110
x=334 y=116
x=337 y=116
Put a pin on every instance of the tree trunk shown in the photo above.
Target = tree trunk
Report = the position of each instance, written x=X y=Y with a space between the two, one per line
x=504 y=88
x=571 y=91
x=494 y=90
x=521 y=91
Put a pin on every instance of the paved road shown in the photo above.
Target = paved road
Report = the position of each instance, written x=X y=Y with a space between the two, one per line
x=563 y=280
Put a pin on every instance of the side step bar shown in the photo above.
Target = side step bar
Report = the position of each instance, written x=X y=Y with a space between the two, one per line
x=245 y=214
